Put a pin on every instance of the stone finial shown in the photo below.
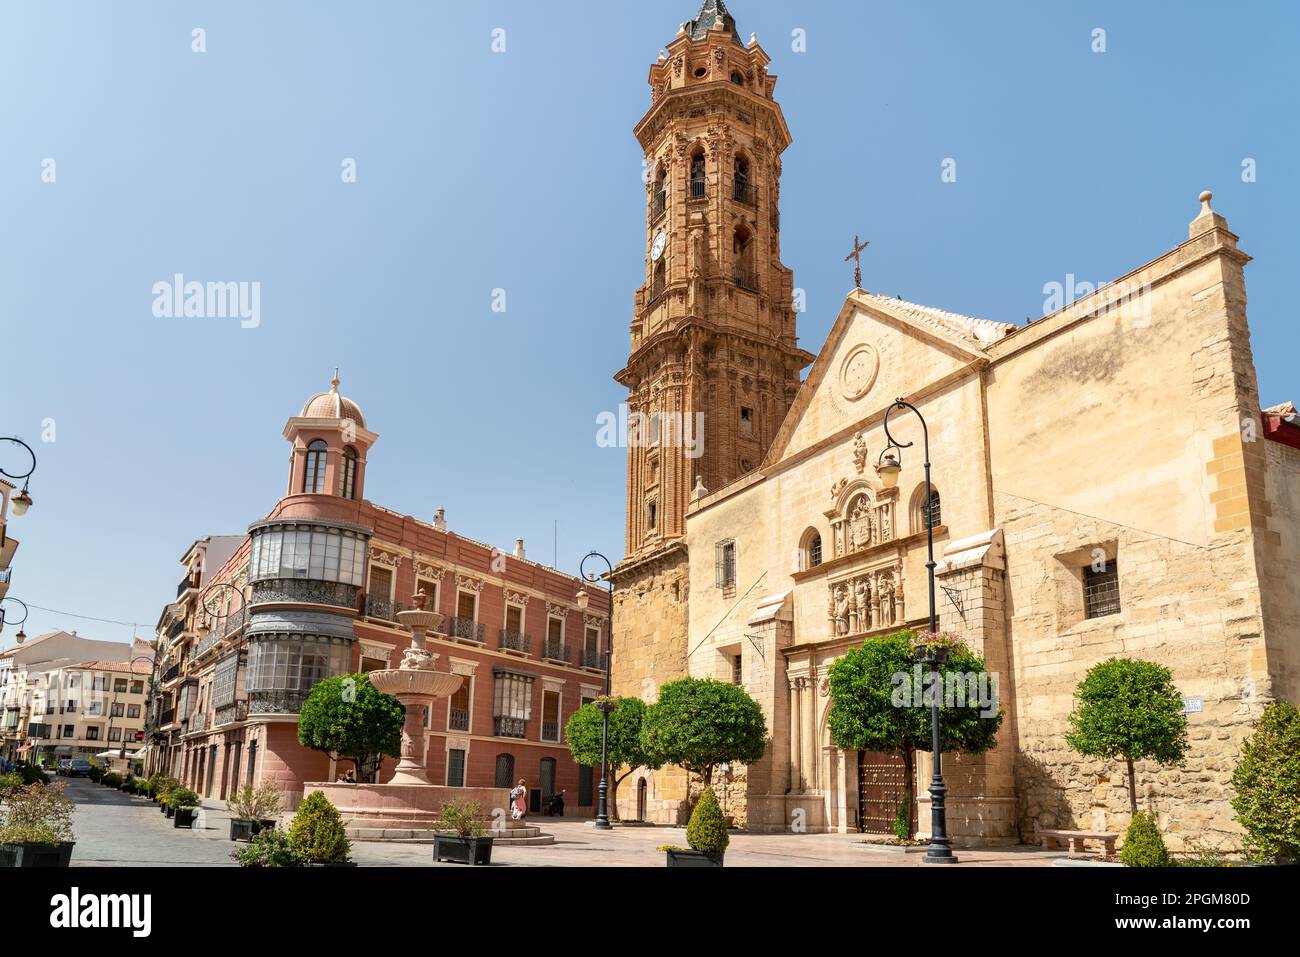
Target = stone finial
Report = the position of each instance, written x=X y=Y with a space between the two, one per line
x=699 y=491
x=753 y=39
x=663 y=55
x=1207 y=219
x=681 y=28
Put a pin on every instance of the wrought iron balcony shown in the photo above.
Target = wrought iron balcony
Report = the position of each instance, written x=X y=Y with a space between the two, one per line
x=171 y=672
x=550 y=731
x=509 y=727
x=745 y=278
x=304 y=591
x=230 y=713
x=276 y=702
x=657 y=288
x=198 y=722
x=458 y=719
x=466 y=628
x=554 y=650
x=591 y=658
x=188 y=582
x=377 y=606
x=512 y=640
x=175 y=628
x=745 y=192
x=698 y=189
x=166 y=717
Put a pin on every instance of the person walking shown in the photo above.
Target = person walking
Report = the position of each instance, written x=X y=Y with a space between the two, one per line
x=519 y=801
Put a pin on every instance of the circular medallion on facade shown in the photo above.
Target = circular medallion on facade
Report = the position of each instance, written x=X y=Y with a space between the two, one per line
x=858 y=371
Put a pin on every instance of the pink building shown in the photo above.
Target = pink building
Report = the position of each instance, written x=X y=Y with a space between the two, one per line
x=322 y=576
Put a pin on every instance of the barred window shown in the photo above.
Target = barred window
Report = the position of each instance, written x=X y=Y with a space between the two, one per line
x=737 y=670
x=934 y=517
x=455 y=768
x=1101 y=590
x=725 y=564
x=505 y=771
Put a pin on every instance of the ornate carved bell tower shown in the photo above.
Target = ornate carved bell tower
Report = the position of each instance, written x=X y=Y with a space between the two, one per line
x=714 y=363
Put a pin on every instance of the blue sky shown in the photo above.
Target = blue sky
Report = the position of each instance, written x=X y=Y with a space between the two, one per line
x=479 y=170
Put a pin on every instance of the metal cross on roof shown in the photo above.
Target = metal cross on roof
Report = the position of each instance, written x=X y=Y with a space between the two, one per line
x=857 y=261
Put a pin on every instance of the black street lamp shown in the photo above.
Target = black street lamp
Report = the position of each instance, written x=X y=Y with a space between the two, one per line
x=22 y=501
x=22 y=635
x=605 y=706
x=940 y=849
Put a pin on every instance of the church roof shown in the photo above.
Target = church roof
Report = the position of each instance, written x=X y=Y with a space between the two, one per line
x=711 y=11
x=980 y=332
x=332 y=405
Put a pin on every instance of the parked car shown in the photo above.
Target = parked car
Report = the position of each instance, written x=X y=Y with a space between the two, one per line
x=64 y=764
x=77 y=768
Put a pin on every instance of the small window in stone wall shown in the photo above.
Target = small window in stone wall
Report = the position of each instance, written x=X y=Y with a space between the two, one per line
x=1101 y=589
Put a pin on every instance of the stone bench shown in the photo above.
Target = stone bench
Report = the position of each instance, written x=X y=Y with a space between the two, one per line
x=1058 y=839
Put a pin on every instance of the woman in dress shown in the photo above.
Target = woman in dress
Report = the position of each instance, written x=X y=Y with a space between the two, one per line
x=519 y=801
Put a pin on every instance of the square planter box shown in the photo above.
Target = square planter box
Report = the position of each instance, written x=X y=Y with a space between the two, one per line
x=184 y=817
x=242 y=829
x=693 y=859
x=36 y=855
x=463 y=850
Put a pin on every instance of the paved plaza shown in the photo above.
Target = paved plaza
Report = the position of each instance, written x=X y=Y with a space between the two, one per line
x=118 y=830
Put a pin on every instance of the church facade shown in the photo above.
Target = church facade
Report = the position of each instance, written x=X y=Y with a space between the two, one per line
x=1105 y=483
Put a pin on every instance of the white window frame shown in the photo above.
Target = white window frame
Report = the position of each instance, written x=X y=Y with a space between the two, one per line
x=467 y=591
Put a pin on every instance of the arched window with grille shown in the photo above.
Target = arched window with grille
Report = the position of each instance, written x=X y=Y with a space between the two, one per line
x=313 y=478
x=925 y=515
x=505 y=774
x=740 y=187
x=348 y=473
x=810 y=549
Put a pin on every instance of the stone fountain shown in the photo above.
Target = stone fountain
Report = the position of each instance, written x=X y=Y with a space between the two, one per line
x=416 y=685
x=406 y=806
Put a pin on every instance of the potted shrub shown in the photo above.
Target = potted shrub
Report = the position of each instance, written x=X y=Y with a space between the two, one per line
x=461 y=834
x=318 y=835
x=269 y=848
x=112 y=780
x=706 y=834
x=253 y=810
x=36 y=830
x=182 y=803
x=162 y=788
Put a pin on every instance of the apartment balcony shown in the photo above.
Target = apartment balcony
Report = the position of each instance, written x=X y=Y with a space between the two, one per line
x=509 y=727
x=553 y=650
x=303 y=591
x=516 y=641
x=196 y=723
x=230 y=713
x=171 y=674
x=166 y=717
x=591 y=658
x=276 y=702
x=174 y=629
x=458 y=719
x=467 y=629
x=190 y=581
x=6 y=576
x=382 y=608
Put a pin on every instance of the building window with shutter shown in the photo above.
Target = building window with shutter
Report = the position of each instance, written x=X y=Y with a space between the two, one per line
x=725 y=564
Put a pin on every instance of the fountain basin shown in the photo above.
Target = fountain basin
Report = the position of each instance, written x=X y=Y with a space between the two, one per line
x=401 y=682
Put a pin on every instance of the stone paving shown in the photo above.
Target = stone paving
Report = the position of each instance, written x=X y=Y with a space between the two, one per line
x=115 y=829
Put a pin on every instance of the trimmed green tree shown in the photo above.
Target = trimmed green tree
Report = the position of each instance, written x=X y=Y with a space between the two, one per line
x=877 y=704
x=347 y=717
x=1128 y=708
x=317 y=832
x=624 y=748
x=706 y=831
x=699 y=723
x=1143 y=845
x=1267 y=782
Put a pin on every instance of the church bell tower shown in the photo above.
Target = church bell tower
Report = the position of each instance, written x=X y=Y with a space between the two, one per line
x=714 y=362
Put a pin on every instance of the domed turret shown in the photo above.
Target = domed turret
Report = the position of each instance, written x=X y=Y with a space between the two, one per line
x=333 y=405
x=330 y=442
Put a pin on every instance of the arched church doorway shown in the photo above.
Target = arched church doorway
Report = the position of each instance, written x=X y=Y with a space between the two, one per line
x=641 y=793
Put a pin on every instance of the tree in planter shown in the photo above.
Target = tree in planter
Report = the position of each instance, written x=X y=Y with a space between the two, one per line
x=347 y=717
x=317 y=833
x=707 y=830
x=1128 y=708
x=699 y=723
x=1267 y=782
x=868 y=713
x=260 y=803
x=624 y=747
